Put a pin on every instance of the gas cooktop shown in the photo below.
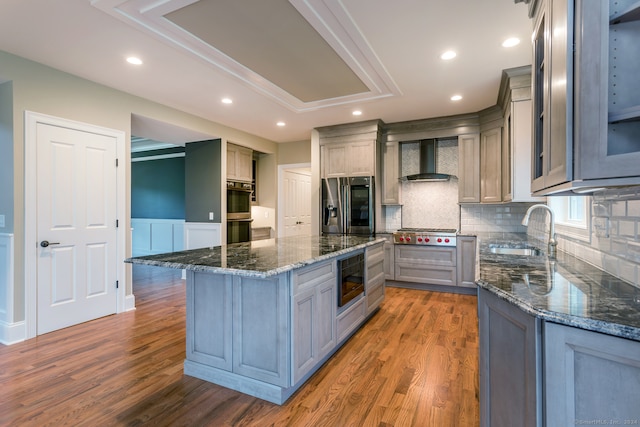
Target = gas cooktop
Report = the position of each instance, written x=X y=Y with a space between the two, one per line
x=426 y=236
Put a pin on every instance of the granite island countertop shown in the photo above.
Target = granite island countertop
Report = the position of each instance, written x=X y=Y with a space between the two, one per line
x=261 y=258
x=566 y=290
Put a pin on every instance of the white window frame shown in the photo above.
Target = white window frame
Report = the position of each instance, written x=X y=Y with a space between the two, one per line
x=579 y=230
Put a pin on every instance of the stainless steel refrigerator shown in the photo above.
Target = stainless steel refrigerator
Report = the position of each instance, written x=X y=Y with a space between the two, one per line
x=348 y=205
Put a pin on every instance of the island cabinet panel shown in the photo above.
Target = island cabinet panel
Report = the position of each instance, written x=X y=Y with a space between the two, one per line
x=509 y=357
x=209 y=307
x=313 y=316
x=261 y=328
x=375 y=276
x=590 y=376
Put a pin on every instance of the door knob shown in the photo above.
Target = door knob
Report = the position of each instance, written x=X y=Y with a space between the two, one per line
x=46 y=243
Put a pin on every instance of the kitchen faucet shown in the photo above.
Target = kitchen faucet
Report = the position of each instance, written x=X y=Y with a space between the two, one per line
x=553 y=243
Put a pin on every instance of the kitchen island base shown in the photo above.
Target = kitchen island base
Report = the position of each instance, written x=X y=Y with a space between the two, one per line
x=265 y=336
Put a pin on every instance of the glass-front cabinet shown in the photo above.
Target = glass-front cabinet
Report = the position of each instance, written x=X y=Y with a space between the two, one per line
x=586 y=94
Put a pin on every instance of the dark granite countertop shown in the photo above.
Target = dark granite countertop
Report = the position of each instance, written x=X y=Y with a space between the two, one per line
x=261 y=258
x=565 y=290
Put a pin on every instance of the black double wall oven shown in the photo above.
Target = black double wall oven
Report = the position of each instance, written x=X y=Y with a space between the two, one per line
x=238 y=212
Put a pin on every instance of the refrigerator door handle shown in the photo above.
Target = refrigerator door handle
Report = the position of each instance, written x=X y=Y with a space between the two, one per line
x=346 y=204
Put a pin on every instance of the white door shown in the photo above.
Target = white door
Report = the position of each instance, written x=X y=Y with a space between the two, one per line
x=297 y=203
x=76 y=226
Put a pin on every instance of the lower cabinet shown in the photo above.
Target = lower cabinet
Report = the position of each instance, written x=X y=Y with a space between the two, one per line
x=590 y=378
x=389 y=259
x=467 y=262
x=375 y=277
x=426 y=264
x=313 y=316
x=509 y=358
x=539 y=373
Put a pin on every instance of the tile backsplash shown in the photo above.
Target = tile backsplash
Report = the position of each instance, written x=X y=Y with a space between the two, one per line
x=612 y=244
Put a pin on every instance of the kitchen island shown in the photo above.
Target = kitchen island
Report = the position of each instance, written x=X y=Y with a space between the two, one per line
x=559 y=341
x=263 y=316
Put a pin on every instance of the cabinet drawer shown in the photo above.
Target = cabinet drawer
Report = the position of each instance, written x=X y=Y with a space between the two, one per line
x=307 y=277
x=424 y=273
x=375 y=295
x=350 y=319
x=445 y=256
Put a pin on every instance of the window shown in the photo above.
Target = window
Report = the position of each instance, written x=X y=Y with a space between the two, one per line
x=571 y=215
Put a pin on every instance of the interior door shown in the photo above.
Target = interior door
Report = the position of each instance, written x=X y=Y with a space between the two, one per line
x=76 y=226
x=297 y=203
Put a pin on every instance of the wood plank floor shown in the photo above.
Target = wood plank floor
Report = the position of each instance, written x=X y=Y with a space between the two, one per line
x=415 y=363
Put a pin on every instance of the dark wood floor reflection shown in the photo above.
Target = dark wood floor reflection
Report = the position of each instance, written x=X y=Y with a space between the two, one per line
x=415 y=363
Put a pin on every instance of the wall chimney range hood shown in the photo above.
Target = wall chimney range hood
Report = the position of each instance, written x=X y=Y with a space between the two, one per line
x=428 y=162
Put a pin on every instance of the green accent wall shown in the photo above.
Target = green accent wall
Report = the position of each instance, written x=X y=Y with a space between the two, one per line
x=158 y=188
x=203 y=181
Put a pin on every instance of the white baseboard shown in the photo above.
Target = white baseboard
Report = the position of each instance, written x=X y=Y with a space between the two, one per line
x=12 y=333
x=129 y=303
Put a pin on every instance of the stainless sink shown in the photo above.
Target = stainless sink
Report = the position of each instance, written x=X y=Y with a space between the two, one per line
x=516 y=251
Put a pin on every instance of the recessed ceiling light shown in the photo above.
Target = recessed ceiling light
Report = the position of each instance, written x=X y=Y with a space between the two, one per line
x=510 y=42
x=280 y=124
x=357 y=113
x=134 y=60
x=227 y=101
x=456 y=97
x=448 y=55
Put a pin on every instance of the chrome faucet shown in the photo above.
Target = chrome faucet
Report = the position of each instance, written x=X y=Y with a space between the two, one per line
x=553 y=243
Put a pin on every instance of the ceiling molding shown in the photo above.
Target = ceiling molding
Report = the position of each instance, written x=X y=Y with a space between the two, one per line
x=328 y=17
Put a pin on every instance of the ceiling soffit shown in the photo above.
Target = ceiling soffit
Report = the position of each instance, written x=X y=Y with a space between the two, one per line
x=363 y=77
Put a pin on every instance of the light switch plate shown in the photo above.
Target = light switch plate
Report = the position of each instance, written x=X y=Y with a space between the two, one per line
x=1 y=221
x=210 y=216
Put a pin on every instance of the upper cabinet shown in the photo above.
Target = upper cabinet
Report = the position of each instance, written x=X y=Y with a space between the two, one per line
x=586 y=95
x=348 y=159
x=391 y=189
x=350 y=149
x=239 y=163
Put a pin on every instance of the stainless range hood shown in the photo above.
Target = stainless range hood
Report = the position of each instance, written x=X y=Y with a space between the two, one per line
x=428 y=162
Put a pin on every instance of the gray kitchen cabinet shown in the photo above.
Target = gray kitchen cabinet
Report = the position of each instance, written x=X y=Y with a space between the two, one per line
x=466 y=261
x=313 y=316
x=491 y=166
x=374 y=277
x=590 y=376
x=391 y=189
x=514 y=97
x=469 y=168
x=209 y=305
x=434 y=265
x=389 y=259
x=509 y=364
x=239 y=163
x=260 y=334
x=348 y=159
x=586 y=95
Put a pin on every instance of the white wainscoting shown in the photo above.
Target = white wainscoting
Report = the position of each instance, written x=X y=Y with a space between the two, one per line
x=10 y=332
x=156 y=236
x=202 y=235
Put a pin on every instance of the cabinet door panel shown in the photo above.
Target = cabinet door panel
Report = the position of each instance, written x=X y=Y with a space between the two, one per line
x=469 y=168
x=491 y=166
x=509 y=354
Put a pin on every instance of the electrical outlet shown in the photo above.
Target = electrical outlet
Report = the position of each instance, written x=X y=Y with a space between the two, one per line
x=266 y=214
x=210 y=216
x=1 y=221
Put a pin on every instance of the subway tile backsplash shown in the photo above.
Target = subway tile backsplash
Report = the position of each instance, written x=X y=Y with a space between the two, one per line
x=613 y=243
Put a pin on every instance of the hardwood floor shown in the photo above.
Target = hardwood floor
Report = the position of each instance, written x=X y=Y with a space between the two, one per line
x=415 y=363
